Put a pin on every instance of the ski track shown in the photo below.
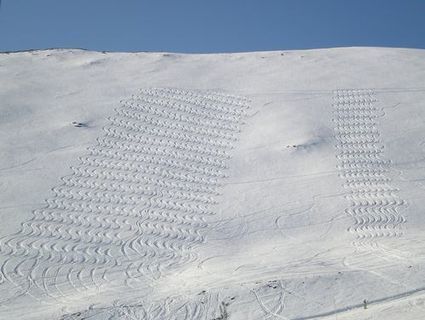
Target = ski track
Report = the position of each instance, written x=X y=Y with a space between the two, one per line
x=375 y=205
x=268 y=303
x=205 y=306
x=135 y=204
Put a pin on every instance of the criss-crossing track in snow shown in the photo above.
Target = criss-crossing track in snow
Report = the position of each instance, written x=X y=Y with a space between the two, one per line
x=374 y=201
x=136 y=203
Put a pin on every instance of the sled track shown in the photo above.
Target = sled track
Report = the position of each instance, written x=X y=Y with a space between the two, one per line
x=374 y=205
x=136 y=203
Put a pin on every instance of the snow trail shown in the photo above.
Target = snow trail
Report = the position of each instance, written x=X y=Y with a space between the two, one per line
x=375 y=205
x=137 y=203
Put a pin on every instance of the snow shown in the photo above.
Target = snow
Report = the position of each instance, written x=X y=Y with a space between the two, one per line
x=265 y=185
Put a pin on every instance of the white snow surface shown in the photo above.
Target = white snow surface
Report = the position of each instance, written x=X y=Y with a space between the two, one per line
x=266 y=185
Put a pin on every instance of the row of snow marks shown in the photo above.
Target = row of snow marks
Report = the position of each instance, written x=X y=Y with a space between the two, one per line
x=354 y=103
x=136 y=122
x=189 y=108
x=181 y=142
x=97 y=231
x=131 y=160
x=160 y=130
x=117 y=211
x=135 y=151
x=365 y=183
x=359 y=125
x=37 y=269
x=113 y=141
x=360 y=144
x=103 y=167
x=374 y=203
x=214 y=103
x=160 y=148
x=348 y=112
x=168 y=229
x=359 y=172
x=121 y=174
x=354 y=93
x=101 y=195
x=54 y=240
x=197 y=145
x=360 y=164
x=165 y=239
x=211 y=105
x=356 y=118
x=108 y=186
x=105 y=185
x=369 y=135
x=57 y=279
x=145 y=184
x=121 y=226
x=376 y=223
x=141 y=110
x=353 y=154
x=359 y=129
x=211 y=95
x=355 y=97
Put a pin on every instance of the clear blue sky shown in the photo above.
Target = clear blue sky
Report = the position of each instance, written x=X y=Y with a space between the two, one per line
x=210 y=25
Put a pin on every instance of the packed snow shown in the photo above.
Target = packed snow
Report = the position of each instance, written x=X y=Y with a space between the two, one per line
x=266 y=185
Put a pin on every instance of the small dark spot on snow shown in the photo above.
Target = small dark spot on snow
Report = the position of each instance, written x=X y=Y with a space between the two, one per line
x=78 y=124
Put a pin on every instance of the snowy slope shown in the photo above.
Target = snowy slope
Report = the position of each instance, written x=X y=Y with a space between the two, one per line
x=268 y=185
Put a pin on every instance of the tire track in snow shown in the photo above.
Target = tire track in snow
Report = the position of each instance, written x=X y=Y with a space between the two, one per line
x=375 y=205
x=136 y=203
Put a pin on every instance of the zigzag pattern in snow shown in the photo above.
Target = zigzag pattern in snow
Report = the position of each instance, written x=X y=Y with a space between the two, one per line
x=136 y=203
x=374 y=201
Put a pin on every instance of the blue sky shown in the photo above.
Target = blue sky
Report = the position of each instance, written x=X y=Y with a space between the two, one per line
x=210 y=25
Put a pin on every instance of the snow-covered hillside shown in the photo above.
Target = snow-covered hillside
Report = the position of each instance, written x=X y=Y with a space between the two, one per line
x=267 y=185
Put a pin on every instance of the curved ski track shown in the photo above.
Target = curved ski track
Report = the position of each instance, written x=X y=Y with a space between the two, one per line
x=136 y=203
x=375 y=205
